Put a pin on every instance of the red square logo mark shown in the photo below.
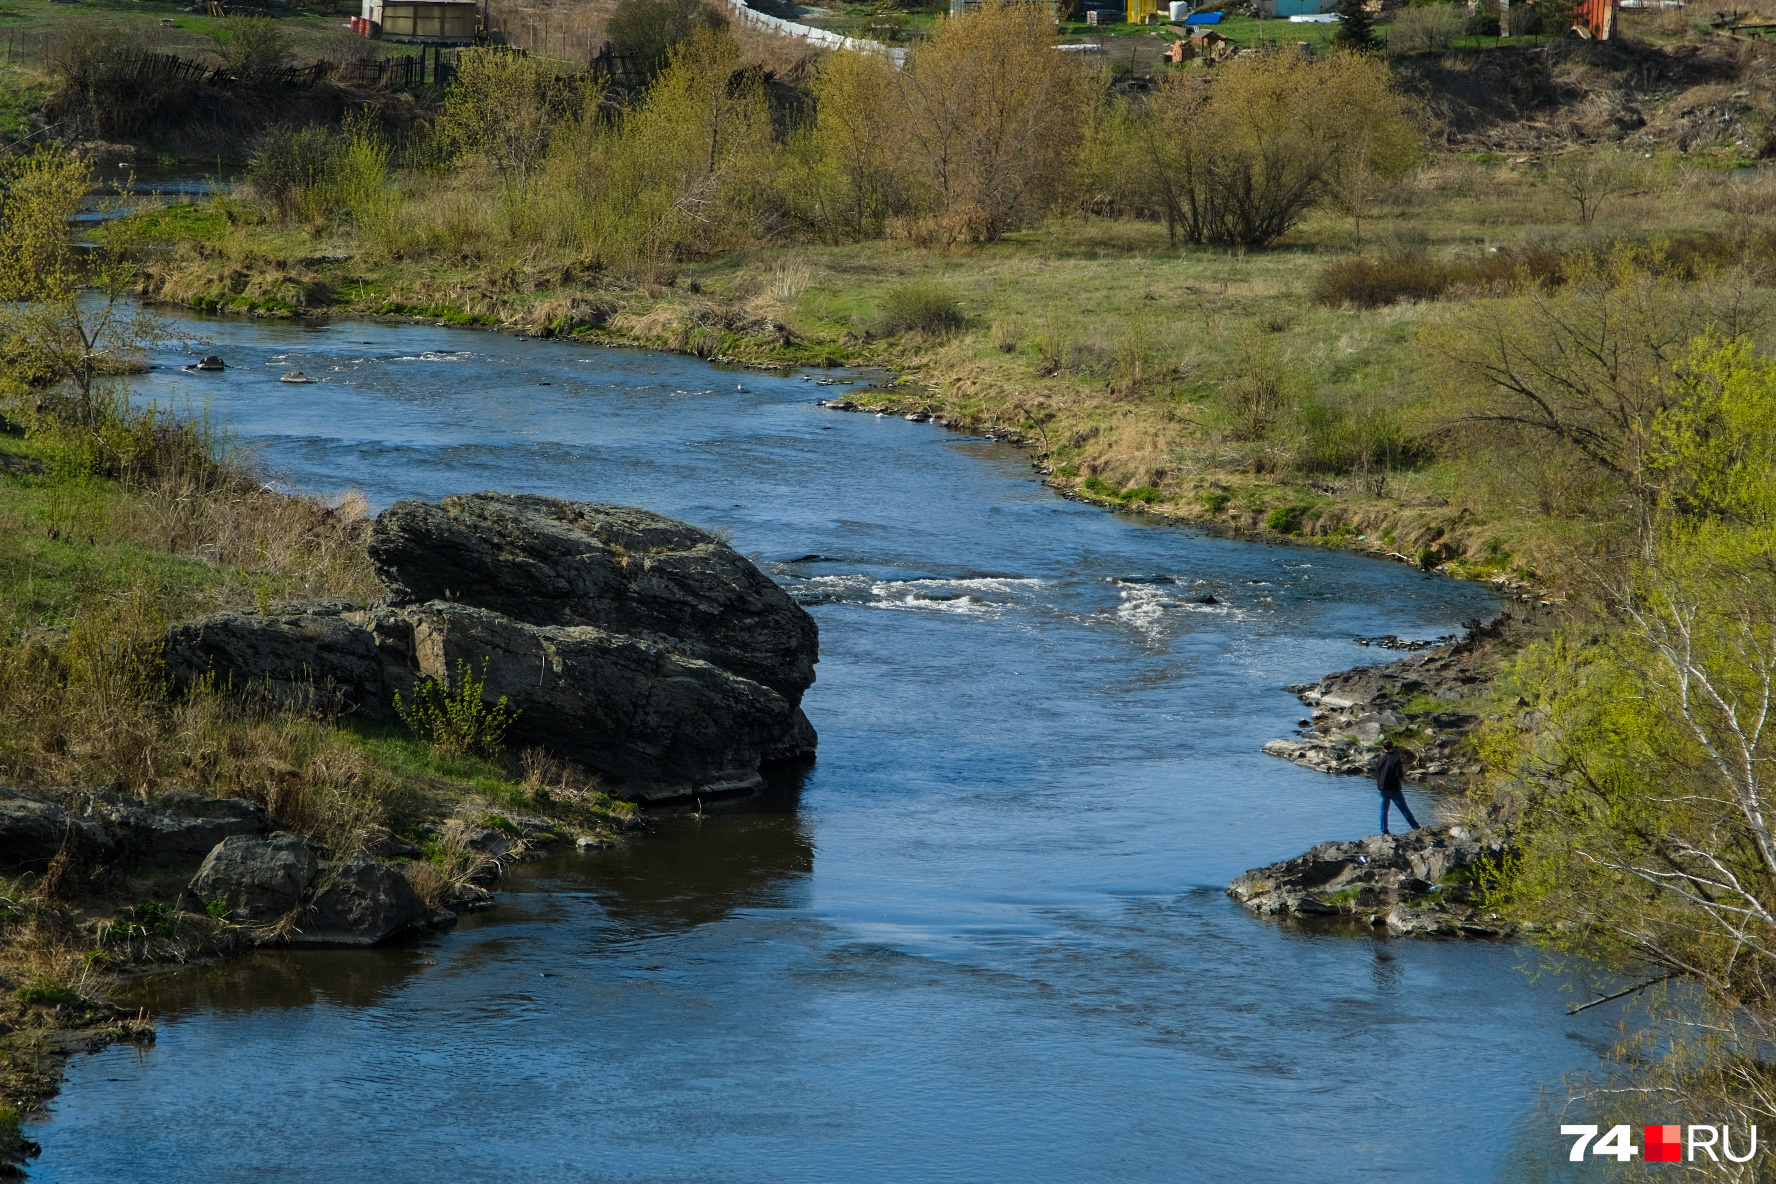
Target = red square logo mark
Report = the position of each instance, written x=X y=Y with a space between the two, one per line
x=1664 y=1144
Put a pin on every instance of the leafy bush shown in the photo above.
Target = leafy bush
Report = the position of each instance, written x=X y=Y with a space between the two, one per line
x=1430 y=29
x=252 y=47
x=921 y=307
x=1286 y=520
x=505 y=109
x=1241 y=159
x=457 y=718
x=1216 y=500
x=1335 y=441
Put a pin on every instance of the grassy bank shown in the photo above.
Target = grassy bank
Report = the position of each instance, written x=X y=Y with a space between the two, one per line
x=1244 y=388
x=1499 y=313
x=97 y=555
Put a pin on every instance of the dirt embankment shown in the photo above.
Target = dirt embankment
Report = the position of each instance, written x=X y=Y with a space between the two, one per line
x=1721 y=92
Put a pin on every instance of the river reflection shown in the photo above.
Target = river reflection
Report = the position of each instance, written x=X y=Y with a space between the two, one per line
x=984 y=939
x=755 y=854
x=285 y=979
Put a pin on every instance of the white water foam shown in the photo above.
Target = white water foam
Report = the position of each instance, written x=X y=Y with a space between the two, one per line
x=986 y=595
x=1151 y=608
x=430 y=355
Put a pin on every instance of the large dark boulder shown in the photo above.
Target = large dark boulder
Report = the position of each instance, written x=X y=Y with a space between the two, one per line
x=304 y=653
x=627 y=706
x=635 y=646
x=359 y=902
x=260 y=880
x=541 y=561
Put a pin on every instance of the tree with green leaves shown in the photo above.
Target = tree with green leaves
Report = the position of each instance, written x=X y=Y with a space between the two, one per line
x=1640 y=772
x=66 y=314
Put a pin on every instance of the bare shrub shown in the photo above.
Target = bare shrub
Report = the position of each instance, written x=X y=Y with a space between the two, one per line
x=1254 y=392
x=921 y=307
x=1428 y=29
x=1589 y=177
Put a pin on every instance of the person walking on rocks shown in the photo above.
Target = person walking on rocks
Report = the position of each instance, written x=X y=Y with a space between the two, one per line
x=1389 y=779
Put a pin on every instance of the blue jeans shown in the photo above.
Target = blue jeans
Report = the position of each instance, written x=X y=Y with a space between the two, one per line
x=1399 y=799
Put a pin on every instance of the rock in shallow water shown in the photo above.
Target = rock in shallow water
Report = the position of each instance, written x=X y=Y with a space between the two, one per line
x=359 y=902
x=1421 y=883
x=637 y=646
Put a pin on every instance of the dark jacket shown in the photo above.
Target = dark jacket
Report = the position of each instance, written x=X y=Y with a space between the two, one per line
x=1389 y=773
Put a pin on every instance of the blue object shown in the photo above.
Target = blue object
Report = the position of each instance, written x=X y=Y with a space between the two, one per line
x=1397 y=799
x=1203 y=18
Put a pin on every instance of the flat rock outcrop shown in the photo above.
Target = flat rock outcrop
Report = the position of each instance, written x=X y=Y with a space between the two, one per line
x=1423 y=883
x=1414 y=700
x=631 y=644
x=540 y=561
x=90 y=824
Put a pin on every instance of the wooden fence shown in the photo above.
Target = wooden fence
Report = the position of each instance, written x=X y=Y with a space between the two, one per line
x=23 y=47
x=434 y=65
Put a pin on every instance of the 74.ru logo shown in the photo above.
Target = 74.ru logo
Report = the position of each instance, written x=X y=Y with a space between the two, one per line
x=1665 y=1143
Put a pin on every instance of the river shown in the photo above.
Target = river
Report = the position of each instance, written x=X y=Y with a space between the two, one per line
x=983 y=938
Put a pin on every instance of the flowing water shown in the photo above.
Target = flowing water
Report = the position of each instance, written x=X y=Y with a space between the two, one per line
x=983 y=938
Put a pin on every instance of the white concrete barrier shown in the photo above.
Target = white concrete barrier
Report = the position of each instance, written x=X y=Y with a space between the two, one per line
x=822 y=37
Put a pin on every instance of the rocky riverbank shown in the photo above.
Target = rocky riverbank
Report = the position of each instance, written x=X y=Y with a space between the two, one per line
x=643 y=650
x=1426 y=703
x=629 y=657
x=1426 y=883
x=1423 y=884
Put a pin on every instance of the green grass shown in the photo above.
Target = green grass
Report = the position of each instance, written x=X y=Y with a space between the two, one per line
x=60 y=547
x=20 y=96
x=394 y=748
x=49 y=995
x=1101 y=342
x=184 y=222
